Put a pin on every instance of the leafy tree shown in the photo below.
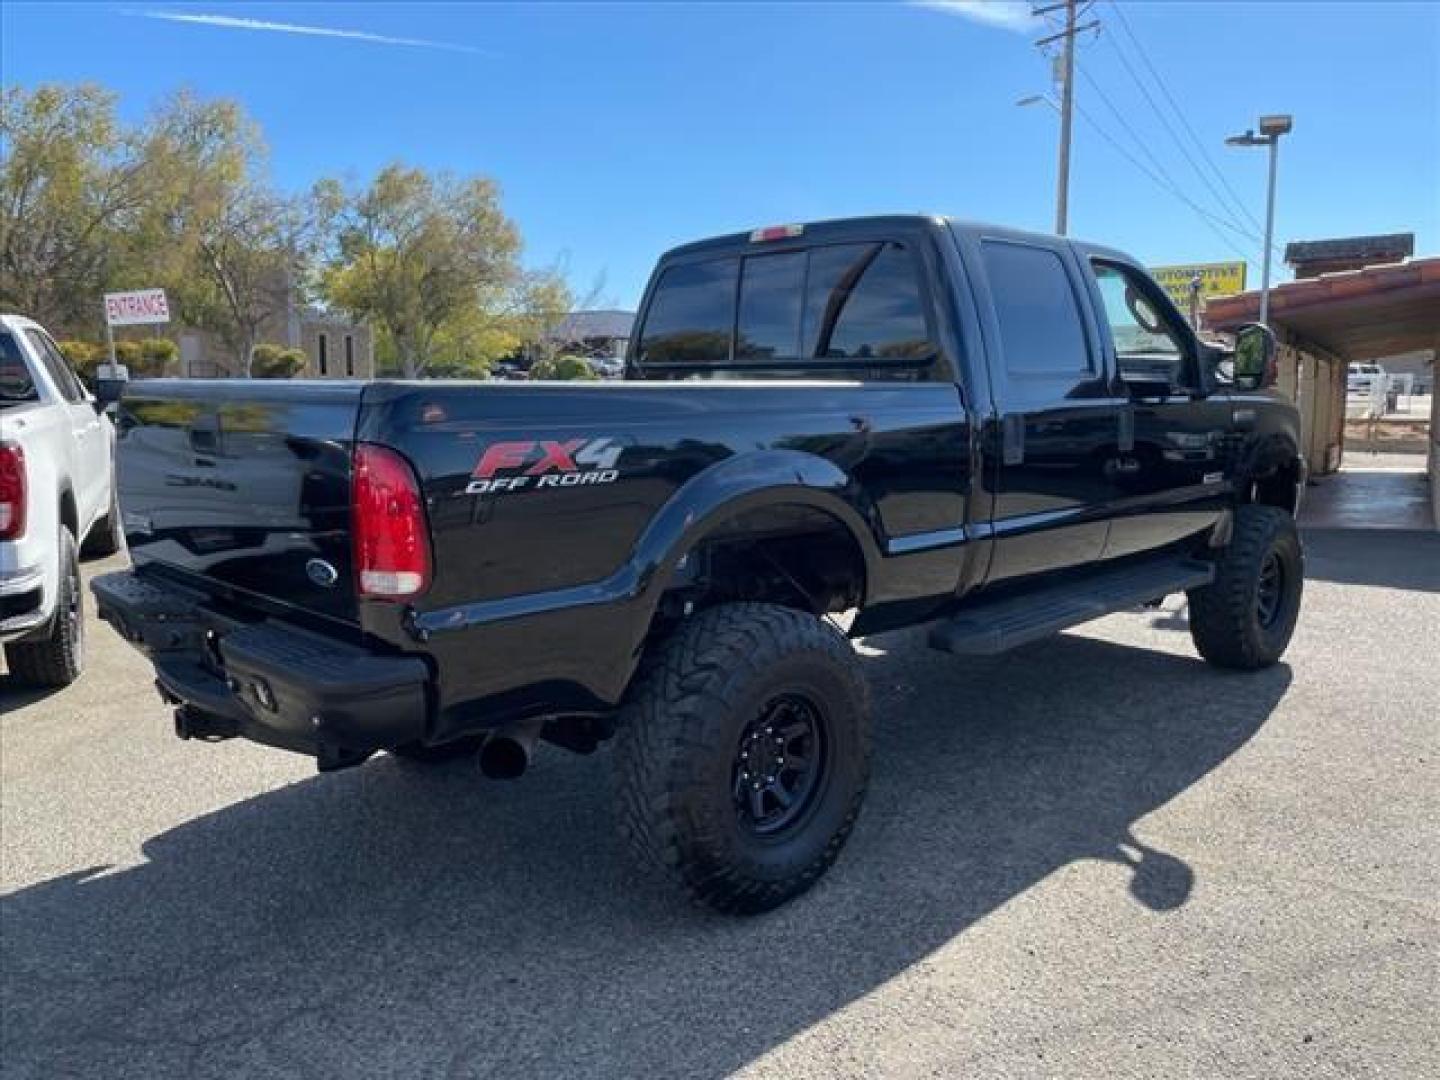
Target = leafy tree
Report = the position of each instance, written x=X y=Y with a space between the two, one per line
x=431 y=261
x=71 y=181
x=240 y=249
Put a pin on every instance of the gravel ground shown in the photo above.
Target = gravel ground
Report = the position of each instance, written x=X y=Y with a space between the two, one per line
x=1092 y=857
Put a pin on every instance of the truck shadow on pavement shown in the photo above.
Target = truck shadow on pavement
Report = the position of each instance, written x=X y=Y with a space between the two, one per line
x=394 y=921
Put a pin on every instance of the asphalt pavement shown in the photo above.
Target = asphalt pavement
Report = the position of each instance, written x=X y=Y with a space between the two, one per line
x=1093 y=857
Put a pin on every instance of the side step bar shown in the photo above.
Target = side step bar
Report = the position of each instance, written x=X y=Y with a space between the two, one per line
x=990 y=627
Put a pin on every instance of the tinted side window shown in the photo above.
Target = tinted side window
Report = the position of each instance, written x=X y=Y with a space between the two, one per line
x=56 y=365
x=691 y=314
x=1040 y=325
x=864 y=300
x=769 y=324
x=16 y=382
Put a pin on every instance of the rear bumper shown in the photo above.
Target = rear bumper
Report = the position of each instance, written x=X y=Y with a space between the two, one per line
x=23 y=602
x=268 y=681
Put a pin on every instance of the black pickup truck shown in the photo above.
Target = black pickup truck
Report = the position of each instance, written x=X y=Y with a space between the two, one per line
x=911 y=419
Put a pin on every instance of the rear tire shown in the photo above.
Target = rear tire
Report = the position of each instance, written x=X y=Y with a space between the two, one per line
x=1244 y=619
x=107 y=536
x=57 y=659
x=742 y=755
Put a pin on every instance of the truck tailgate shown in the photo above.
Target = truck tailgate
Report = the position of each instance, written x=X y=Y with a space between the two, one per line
x=244 y=485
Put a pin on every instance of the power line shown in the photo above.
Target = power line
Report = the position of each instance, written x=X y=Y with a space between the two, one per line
x=1211 y=220
x=1135 y=138
x=1170 y=130
x=1165 y=179
x=1164 y=89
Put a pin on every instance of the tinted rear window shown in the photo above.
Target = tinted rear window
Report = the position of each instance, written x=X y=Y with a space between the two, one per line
x=769 y=326
x=16 y=382
x=692 y=314
x=864 y=301
x=792 y=312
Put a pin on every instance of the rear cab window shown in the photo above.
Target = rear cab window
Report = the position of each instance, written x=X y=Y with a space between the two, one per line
x=838 y=310
x=58 y=368
x=17 y=383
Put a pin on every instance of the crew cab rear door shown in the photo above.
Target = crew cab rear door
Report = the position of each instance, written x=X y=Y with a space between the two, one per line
x=89 y=468
x=1053 y=444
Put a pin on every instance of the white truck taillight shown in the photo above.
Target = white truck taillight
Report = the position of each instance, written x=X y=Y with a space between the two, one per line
x=12 y=492
x=392 y=546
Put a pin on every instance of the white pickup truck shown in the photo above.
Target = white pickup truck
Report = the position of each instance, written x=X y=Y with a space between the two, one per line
x=57 y=495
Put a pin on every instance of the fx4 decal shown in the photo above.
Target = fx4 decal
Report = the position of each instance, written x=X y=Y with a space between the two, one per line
x=544 y=463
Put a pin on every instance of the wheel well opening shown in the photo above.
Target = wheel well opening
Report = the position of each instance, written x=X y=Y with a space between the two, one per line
x=69 y=517
x=1279 y=486
x=796 y=556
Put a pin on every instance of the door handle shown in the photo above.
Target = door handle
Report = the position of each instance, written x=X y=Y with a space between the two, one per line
x=1126 y=434
x=1012 y=438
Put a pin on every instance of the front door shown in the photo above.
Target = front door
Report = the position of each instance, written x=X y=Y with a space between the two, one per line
x=1054 y=442
x=1174 y=482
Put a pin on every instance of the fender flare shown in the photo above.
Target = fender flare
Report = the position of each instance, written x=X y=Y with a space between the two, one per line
x=746 y=482
x=1276 y=450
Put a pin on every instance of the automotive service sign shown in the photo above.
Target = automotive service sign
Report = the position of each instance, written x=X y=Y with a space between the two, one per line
x=1216 y=279
x=137 y=308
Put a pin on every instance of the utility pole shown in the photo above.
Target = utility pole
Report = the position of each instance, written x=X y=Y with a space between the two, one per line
x=1067 y=102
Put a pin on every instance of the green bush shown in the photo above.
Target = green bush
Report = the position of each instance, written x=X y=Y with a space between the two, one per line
x=160 y=350
x=150 y=358
x=276 y=362
x=562 y=367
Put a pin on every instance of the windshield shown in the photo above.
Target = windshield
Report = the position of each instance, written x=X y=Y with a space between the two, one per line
x=16 y=383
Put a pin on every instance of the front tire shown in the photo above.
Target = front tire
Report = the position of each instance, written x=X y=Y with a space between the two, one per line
x=57 y=659
x=1244 y=619
x=742 y=755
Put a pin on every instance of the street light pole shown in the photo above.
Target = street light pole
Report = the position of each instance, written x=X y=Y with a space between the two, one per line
x=1271 y=128
x=1274 y=141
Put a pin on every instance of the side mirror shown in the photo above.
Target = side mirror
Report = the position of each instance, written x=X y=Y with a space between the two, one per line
x=1255 y=350
x=107 y=392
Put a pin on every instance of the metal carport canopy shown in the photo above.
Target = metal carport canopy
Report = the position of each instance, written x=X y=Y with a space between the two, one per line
x=1362 y=314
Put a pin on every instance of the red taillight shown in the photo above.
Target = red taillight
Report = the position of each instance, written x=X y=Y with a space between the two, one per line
x=392 y=551
x=12 y=492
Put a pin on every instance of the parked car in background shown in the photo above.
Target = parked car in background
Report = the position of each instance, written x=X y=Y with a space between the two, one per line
x=508 y=369
x=57 y=497
x=1360 y=377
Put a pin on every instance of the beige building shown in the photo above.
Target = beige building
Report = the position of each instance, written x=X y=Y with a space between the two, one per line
x=335 y=347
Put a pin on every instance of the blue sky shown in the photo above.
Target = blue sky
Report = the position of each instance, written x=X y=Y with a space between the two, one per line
x=617 y=130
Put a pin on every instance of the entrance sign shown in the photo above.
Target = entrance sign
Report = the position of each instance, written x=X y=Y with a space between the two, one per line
x=136 y=308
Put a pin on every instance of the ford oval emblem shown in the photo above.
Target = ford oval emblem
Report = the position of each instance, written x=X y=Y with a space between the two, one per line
x=321 y=573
